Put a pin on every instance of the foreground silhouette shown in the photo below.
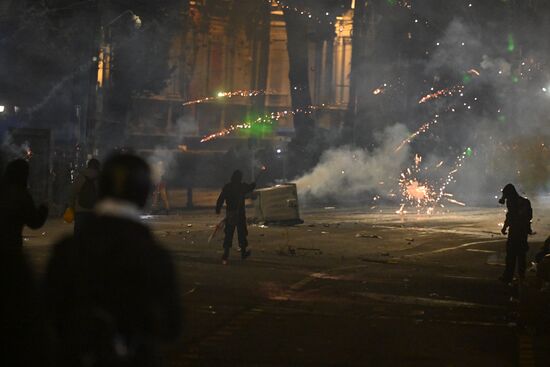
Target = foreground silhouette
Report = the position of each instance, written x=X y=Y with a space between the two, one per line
x=17 y=208
x=111 y=292
x=21 y=338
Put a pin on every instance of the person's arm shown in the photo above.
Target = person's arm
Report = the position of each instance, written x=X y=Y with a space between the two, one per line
x=506 y=222
x=221 y=200
x=34 y=217
x=249 y=187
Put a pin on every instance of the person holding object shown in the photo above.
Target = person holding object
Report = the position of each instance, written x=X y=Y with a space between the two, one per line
x=233 y=195
x=517 y=226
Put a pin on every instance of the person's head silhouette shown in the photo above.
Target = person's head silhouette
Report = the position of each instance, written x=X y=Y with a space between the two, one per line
x=125 y=177
x=237 y=176
x=508 y=192
x=17 y=173
x=93 y=164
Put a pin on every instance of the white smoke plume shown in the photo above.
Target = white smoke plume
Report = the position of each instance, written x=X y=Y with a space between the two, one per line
x=346 y=172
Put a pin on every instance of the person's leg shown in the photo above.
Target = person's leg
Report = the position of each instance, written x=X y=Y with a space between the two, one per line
x=522 y=263
x=164 y=197
x=228 y=240
x=242 y=233
x=508 y=274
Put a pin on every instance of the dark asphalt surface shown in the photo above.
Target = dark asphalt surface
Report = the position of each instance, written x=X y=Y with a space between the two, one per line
x=345 y=289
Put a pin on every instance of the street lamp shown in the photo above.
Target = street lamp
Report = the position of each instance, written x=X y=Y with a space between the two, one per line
x=104 y=60
x=135 y=19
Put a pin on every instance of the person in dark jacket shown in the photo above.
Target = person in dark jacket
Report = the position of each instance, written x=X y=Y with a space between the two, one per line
x=518 y=226
x=19 y=317
x=111 y=293
x=233 y=194
x=84 y=195
x=17 y=208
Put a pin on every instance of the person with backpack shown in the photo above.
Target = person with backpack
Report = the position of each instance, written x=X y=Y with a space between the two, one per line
x=84 y=195
x=518 y=227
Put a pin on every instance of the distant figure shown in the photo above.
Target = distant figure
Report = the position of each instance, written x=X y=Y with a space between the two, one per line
x=84 y=195
x=17 y=207
x=159 y=191
x=518 y=226
x=111 y=293
x=233 y=194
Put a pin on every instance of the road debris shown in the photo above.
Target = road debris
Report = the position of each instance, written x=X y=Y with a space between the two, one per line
x=367 y=235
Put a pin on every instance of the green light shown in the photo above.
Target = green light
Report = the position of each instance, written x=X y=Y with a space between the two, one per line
x=502 y=118
x=511 y=43
x=466 y=78
x=392 y=2
x=469 y=152
x=515 y=79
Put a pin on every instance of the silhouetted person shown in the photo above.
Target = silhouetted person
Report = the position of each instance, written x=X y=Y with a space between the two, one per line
x=84 y=195
x=19 y=321
x=233 y=194
x=518 y=225
x=111 y=292
x=17 y=207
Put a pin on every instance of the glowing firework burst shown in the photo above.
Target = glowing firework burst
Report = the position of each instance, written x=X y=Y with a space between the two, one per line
x=413 y=190
x=221 y=95
x=446 y=92
x=421 y=194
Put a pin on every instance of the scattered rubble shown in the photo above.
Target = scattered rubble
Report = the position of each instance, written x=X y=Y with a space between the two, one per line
x=367 y=235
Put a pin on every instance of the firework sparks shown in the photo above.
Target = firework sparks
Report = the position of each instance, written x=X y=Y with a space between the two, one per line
x=455 y=202
x=451 y=176
x=425 y=127
x=226 y=131
x=446 y=92
x=220 y=95
x=413 y=190
x=265 y=120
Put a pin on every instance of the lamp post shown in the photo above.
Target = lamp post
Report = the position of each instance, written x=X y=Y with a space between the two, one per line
x=103 y=57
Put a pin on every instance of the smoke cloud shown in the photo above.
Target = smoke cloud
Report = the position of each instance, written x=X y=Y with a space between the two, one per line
x=346 y=172
x=499 y=118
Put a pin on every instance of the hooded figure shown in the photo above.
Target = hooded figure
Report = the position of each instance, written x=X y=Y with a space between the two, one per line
x=518 y=226
x=111 y=293
x=17 y=207
x=84 y=195
x=233 y=194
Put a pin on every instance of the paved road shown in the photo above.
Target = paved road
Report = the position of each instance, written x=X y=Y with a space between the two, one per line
x=344 y=289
